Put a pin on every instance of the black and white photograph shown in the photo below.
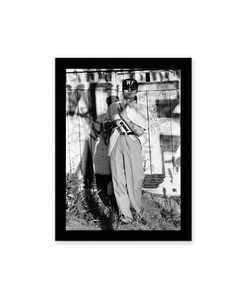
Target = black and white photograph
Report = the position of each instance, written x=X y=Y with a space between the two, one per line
x=123 y=148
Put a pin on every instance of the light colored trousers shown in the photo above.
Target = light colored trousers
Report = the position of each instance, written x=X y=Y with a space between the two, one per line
x=126 y=164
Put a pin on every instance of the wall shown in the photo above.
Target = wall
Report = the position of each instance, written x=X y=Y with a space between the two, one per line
x=87 y=98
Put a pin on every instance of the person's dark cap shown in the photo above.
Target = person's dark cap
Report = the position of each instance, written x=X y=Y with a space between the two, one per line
x=130 y=83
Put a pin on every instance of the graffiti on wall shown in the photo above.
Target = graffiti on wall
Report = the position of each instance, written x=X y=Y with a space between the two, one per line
x=85 y=134
x=86 y=105
x=163 y=122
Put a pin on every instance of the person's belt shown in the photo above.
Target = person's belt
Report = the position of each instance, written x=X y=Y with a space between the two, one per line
x=128 y=133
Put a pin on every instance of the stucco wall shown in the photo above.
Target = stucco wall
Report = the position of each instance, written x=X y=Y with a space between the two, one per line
x=88 y=96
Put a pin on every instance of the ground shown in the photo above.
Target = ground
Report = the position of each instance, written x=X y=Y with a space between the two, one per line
x=95 y=210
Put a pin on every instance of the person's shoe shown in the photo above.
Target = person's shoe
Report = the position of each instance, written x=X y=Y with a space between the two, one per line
x=125 y=220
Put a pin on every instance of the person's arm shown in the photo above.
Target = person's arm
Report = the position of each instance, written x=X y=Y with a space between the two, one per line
x=136 y=129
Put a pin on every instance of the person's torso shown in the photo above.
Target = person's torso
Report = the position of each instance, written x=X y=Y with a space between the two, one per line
x=131 y=111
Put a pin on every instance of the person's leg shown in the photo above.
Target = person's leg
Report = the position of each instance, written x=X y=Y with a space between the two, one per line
x=119 y=178
x=134 y=172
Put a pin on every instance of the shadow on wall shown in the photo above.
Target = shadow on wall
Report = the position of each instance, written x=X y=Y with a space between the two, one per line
x=73 y=97
x=99 y=139
x=79 y=116
x=81 y=107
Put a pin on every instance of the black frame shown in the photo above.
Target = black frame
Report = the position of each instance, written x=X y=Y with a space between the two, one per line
x=115 y=62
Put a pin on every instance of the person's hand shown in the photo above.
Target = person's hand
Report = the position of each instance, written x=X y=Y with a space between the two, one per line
x=122 y=109
x=107 y=125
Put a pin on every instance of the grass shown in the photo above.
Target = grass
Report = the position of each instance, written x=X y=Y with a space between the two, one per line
x=95 y=210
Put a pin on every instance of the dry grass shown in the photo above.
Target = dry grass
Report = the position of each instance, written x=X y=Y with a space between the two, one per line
x=96 y=210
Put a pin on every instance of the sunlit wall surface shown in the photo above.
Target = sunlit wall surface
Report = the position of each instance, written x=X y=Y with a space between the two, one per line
x=88 y=95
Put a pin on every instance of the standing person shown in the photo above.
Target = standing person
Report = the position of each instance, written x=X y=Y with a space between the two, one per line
x=127 y=124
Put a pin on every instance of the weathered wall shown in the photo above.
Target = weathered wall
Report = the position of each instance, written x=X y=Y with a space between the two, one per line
x=88 y=96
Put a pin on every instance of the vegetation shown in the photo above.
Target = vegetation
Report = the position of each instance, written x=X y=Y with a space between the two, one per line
x=95 y=210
